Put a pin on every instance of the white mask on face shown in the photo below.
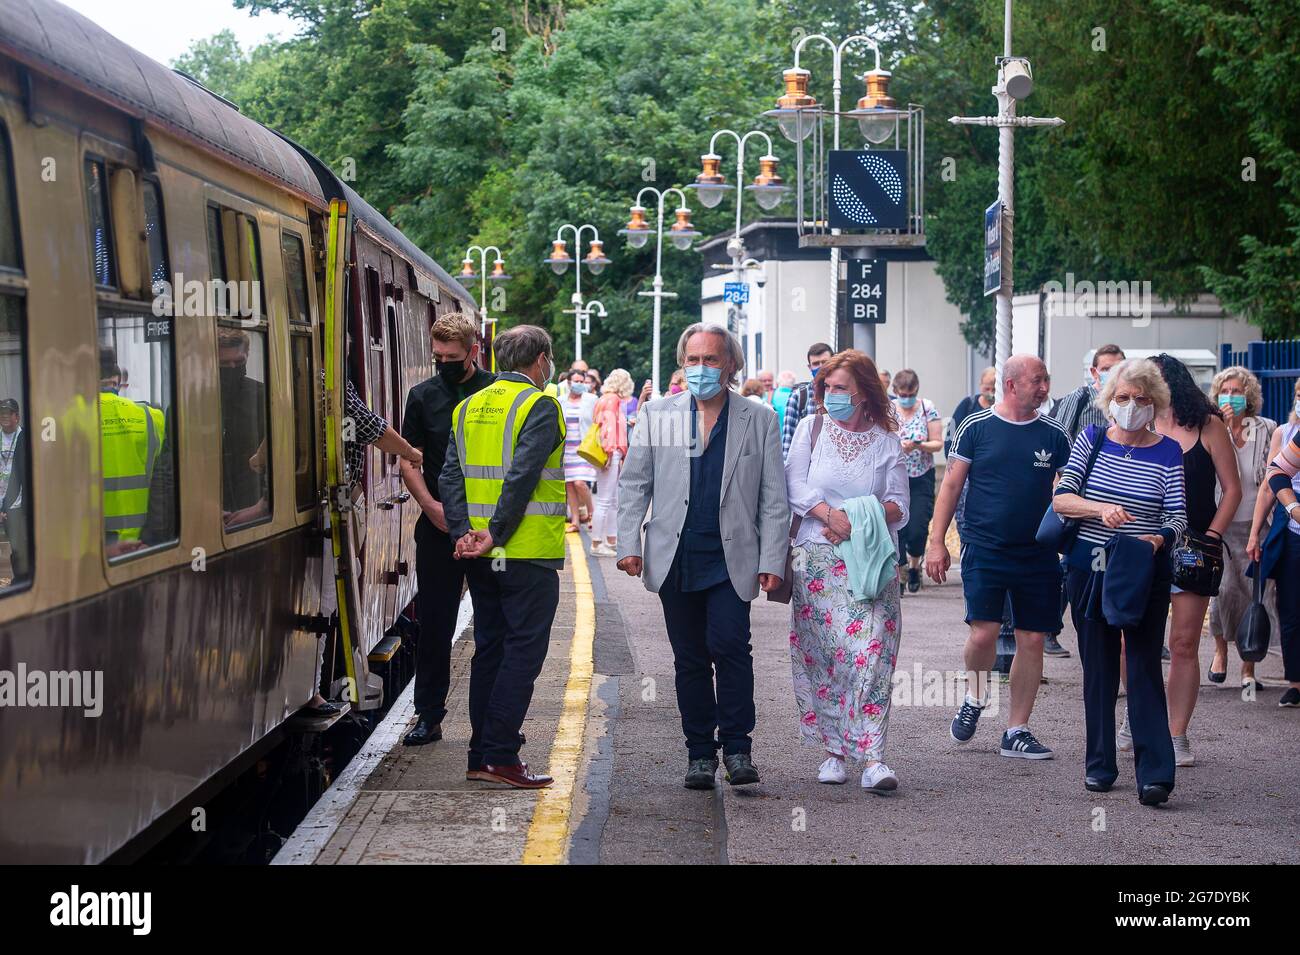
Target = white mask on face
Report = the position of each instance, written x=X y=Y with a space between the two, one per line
x=1132 y=416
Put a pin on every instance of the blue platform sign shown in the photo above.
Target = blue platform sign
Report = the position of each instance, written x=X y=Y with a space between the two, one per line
x=736 y=293
x=993 y=248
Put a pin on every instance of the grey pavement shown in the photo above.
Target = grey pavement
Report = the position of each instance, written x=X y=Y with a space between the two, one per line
x=955 y=803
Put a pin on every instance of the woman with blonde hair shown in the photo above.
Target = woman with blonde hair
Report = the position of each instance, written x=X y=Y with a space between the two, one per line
x=1133 y=492
x=611 y=416
x=1237 y=394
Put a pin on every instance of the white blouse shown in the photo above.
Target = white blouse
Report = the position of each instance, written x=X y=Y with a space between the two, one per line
x=845 y=464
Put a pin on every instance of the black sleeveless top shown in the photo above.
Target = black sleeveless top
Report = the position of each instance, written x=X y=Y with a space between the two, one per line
x=1199 y=479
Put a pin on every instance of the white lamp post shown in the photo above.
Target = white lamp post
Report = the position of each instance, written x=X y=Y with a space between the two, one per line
x=487 y=327
x=767 y=188
x=1015 y=82
x=638 y=232
x=560 y=260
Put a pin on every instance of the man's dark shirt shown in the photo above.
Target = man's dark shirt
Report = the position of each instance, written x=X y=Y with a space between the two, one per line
x=427 y=422
x=700 y=562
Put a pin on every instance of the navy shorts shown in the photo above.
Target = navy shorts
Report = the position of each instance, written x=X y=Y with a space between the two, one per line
x=1034 y=586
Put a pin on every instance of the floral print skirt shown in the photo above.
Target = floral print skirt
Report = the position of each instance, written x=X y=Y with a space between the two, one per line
x=843 y=652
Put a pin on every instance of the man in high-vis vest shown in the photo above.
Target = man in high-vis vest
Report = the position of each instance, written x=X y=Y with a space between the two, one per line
x=131 y=436
x=502 y=488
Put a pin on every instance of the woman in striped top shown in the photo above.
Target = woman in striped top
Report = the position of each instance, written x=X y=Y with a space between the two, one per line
x=1135 y=488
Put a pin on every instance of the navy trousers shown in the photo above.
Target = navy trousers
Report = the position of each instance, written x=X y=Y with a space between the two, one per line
x=1099 y=645
x=437 y=603
x=1288 y=606
x=514 y=608
x=709 y=633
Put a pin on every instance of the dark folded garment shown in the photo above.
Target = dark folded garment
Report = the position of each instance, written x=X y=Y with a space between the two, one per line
x=1130 y=569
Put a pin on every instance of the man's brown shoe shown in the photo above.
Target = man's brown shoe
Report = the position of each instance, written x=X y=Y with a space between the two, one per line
x=517 y=776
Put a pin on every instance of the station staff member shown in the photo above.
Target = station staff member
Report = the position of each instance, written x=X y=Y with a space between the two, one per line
x=131 y=436
x=502 y=488
x=427 y=426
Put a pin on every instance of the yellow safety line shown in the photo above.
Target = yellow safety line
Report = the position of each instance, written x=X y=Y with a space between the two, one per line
x=548 y=836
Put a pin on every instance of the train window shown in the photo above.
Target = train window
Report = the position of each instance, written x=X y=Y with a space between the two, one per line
x=375 y=305
x=155 y=233
x=304 y=421
x=137 y=431
x=16 y=549
x=9 y=252
x=101 y=238
x=253 y=295
x=295 y=273
x=245 y=445
x=216 y=258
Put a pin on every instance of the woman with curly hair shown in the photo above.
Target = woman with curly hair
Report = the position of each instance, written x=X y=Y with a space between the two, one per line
x=1240 y=398
x=1209 y=456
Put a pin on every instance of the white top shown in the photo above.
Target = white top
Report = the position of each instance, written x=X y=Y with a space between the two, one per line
x=1252 y=461
x=584 y=408
x=845 y=464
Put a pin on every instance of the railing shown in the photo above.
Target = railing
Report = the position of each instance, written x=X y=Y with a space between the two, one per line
x=1276 y=365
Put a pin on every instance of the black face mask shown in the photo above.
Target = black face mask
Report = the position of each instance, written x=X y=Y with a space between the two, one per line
x=231 y=377
x=453 y=371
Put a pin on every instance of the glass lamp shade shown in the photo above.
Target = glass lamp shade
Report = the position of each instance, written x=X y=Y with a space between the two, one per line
x=710 y=185
x=682 y=232
x=636 y=238
x=710 y=193
x=795 y=124
x=595 y=258
x=878 y=129
x=559 y=260
x=768 y=197
x=768 y=188
x=792 y=104
x=876 y=112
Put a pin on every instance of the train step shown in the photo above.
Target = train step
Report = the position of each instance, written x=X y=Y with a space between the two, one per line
x=385 y=648
x=304 y=721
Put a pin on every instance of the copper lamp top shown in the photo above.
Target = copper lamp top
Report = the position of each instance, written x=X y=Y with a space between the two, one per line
x=767 y=175
x=877 y=91
x=796 y=90
x=710 y=169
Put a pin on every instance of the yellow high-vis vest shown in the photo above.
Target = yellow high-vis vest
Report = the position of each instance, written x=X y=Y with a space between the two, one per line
x=131 y=436
x=487 y=429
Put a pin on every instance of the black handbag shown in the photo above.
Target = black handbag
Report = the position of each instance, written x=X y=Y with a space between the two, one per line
x=1255 y=629
x=1197 y=563
x=1059 y=532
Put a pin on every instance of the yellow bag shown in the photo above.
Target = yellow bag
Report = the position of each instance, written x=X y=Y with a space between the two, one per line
x=591 y=449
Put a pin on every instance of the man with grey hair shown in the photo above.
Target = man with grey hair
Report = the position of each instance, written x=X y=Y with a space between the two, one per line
x=1011 y=455
x=707 y=465
x=502 y=488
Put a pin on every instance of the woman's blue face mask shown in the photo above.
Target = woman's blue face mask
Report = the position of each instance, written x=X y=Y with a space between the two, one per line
x=907 y=402
x=839 y=405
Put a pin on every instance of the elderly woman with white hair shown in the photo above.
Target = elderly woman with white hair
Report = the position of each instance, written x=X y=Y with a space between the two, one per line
x=1124 y=482
x=611 y=416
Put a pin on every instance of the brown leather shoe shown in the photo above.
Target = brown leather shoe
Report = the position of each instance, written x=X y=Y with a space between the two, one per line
x=517 y=776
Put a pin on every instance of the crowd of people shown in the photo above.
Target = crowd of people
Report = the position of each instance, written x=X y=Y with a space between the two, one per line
x=1121 y=502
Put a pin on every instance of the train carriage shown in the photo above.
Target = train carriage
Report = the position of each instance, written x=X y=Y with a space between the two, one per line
x=178 y=536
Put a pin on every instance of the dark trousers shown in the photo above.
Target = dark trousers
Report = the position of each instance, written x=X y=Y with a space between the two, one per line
x=912 y=537
x=513 y=611
x=1099 y=645
x=1288 y=605
x=709 y=633
x=440 y=577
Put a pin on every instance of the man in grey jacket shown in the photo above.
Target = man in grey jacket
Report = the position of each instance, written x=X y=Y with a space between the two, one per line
x=707 y=464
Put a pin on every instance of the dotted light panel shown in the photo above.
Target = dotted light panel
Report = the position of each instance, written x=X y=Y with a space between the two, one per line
x=868 y=189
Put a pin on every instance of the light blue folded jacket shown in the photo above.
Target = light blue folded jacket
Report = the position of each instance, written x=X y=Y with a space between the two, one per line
x=869 y=555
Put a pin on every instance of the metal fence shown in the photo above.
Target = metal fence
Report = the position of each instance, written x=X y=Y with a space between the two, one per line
x=1276 y=365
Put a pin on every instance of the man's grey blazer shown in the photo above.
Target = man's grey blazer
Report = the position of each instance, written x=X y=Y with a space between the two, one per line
x=755 y=513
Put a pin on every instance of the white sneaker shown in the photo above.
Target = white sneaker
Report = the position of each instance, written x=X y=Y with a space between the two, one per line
x=1183 y=752
x=831 y=771
x=879 y=779
x=601 y=549
x=1124 y=737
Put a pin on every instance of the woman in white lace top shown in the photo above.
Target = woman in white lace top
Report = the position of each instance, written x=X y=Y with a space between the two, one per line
x=844 y=650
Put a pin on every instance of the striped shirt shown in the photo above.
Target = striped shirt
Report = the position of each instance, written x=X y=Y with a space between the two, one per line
x=1146 y=482
x=1077 y=410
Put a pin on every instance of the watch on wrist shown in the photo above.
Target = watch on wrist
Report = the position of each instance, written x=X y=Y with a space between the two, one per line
x=1293 y=504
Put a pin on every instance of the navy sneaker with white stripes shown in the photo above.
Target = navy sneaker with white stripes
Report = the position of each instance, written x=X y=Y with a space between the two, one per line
x=964 y=723
x=1022 y=745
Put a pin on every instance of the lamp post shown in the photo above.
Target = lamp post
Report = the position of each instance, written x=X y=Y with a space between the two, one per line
x=467 y=276
x=560 y=260
x=638 y=233
x=1015 y=82
x=767 y=188
x=877 y=119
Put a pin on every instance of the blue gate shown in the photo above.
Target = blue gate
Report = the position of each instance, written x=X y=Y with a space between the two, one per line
x=1277 y=366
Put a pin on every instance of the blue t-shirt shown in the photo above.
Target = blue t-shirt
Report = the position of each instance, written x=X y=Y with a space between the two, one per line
x=1012 y=467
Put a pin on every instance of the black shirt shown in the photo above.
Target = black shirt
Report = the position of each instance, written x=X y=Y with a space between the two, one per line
x=701 y=562
x=427 y=422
